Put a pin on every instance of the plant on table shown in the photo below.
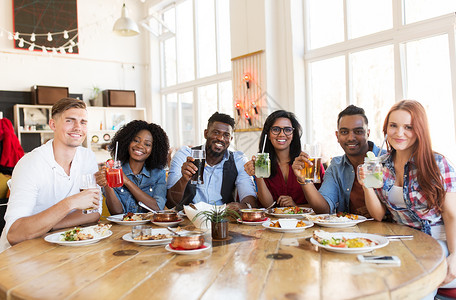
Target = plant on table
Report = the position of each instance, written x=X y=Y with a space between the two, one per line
x=218 y=216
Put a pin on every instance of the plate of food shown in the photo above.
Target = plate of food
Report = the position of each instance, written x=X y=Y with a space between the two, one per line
x=166 y=224
x=301 y=225
x=338 y=220
x=348 y=242
x=290 y=212
x=205 y=247
x=80 y=236
x=130 y=218
x=253 y=223
x=159 y=236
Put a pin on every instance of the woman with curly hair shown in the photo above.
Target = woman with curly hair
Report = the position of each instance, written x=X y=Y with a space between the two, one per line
x=143 y=151
x=283 y=133
x=419 y=185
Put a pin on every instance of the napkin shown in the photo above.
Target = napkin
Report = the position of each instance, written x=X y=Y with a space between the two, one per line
x=199 y=222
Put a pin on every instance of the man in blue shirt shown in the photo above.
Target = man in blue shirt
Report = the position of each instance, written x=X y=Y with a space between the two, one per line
x=223 y=173
x=340 y=191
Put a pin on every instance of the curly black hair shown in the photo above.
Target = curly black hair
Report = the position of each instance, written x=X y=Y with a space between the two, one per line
x=160 y=144
x=295 y=146
x=219 y=117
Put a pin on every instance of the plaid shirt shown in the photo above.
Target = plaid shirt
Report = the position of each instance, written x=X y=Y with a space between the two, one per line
x=415 y=214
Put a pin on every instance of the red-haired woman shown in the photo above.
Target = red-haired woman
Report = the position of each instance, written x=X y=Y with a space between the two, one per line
x=419 y=185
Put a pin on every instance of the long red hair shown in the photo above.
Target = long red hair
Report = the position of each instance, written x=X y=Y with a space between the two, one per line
x=429 y=178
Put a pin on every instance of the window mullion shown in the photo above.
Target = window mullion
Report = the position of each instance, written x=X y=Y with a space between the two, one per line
x=452 y=50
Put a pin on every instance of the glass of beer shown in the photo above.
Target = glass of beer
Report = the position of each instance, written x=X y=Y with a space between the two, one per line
x=114 y=175
x=312 y=173
x=88 y=181
x=199 y=162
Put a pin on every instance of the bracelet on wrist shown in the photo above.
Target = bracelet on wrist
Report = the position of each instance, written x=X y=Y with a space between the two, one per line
x=303 y=182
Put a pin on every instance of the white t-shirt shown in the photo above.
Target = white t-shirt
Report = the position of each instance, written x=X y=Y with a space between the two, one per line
x=38 y=182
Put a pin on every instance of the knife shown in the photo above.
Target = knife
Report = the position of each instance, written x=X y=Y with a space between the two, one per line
x=395 y=236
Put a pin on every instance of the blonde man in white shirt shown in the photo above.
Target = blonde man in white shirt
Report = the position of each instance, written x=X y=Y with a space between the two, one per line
x=45 y=182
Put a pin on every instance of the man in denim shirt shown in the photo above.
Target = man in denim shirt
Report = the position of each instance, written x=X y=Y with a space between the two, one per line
x=340 y=192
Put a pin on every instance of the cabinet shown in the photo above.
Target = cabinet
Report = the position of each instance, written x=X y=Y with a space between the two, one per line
x=31 y=123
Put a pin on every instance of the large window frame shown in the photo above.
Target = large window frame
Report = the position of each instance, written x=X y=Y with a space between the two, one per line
x=179 y=88
x=397 y=36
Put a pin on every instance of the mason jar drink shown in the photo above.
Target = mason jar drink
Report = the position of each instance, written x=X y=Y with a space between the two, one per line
x=262 y=165
x=373 y=171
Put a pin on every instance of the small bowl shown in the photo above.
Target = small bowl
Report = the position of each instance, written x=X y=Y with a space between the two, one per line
x=288 y=223
x=165 y=216
x=188 y=241
x=253 y=214
x=141 y=230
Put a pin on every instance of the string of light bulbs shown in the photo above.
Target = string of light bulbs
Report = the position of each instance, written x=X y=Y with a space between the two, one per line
x=28 y=40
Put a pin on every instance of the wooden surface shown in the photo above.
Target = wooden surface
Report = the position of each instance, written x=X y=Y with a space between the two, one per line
x=236 y=269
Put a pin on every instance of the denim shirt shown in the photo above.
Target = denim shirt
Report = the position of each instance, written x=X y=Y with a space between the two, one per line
x=338 y=182
x=152 y=182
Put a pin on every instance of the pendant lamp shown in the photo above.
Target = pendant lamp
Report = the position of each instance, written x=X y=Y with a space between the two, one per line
x=125 y=26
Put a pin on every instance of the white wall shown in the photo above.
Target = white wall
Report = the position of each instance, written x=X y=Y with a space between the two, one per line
x=104 y=59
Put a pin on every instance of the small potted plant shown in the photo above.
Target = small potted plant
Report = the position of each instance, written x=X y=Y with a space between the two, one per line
x=218 y=216
x=94 y=95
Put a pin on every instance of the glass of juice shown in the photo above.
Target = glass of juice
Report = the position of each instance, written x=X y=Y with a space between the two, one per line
x=373 y=171
x=199 y=162
x=114 y=173
x=312 y=172
x=262 y=165
x=88 y=181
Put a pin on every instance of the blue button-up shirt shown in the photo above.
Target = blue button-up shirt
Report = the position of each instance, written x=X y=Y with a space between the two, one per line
x=152 y=182
x=338 y=182
x=209 y=192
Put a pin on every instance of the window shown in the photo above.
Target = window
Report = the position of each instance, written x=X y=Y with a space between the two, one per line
x=196 y=67
x=405 y=50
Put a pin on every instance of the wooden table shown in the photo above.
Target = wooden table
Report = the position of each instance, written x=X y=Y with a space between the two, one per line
x=236 y=269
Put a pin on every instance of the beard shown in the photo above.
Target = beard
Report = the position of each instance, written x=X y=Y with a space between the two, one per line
x=213 y=153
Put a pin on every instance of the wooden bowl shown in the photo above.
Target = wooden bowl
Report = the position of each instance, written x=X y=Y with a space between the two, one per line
x=253 y=214
x=166 y=216
x=188 y=241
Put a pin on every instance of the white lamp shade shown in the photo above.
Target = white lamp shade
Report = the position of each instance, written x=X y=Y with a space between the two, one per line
x=125 y=26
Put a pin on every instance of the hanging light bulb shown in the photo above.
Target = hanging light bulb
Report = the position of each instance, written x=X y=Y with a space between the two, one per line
x=16 y=35
x=49 y=37
x=32 y=38
x=125 y=26
x=72 y=43
x=32 y=47
x=62 y=50
x=65 y=35
x=54 y=51
x=43 y=49
x=21 y=42
x=70 y=49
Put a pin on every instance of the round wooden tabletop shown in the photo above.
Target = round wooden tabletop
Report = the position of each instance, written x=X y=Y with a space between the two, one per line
x=254 y=263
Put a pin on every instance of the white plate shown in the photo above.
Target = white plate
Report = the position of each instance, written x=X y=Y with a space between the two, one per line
x=118 y=219
x=55 y=238
x=381 y=240
x=297 y=216
x=253 y=223
x=297 y=229
x=196 y=251
x=334 y=224
x=127 y=237
x=166 y=224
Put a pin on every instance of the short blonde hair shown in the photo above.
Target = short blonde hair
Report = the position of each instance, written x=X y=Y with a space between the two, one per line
x=65 y=104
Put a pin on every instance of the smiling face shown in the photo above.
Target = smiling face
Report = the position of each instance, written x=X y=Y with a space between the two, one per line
x=352 y=135
x=70 y=127
x=281 y=141
x=401 y=135
x=218 y=138
x=140 y=147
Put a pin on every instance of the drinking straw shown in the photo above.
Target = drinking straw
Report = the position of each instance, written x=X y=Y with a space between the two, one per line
x=264 y=143
x=380 y=151
x=115 y=155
